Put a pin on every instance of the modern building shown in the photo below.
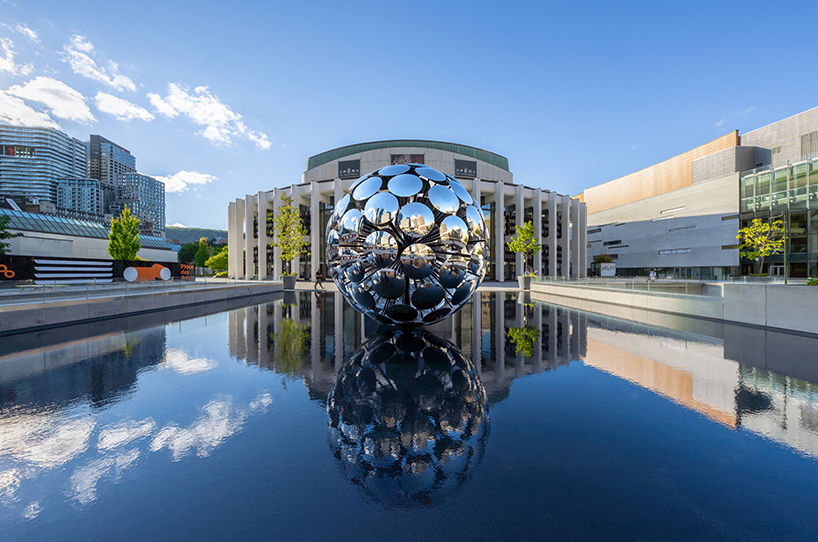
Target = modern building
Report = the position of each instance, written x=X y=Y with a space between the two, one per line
x=34 y=160
x=56 y=237
x=107 y=160
x=681 y=216
x=145 y=197
x=84 y=195
x=558 y=219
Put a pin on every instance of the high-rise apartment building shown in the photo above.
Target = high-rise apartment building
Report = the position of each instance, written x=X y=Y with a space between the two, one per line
x=107 y=160
x=34 y=160
x=145 y=197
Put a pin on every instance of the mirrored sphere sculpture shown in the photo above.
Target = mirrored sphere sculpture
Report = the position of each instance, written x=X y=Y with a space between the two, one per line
x=408 y=419
x=406 y=245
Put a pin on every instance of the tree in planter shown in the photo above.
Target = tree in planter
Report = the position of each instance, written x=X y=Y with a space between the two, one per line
x=203 y=253
x=761 y=239
x=5 y=234
x=218 y=262
x=603 y=258
x=524 y=241
x=123 y=239
x=288 y=233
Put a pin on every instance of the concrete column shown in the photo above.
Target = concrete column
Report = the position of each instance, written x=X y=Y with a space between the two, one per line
x=583 y=241
x=475 y=192
x=251 y=343
x=315 y=336
x=565 y=207
x=249 y=242
x=499 y=227
x=575 y=238
x=241 y=341
x=263 y=240
x=499 y=338
x=239 y=225
x=519 y=202
x=232 y=333
x=552 y=337
x=551 y=241
x=296 y=263
x=537 y=360
x=538 y=212
x=277 y=250
x=338 y=191
x=315 y=215
x=231 y=239
x=566 y=337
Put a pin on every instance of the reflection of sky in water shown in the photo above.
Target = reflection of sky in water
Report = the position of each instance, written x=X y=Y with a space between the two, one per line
x=196 y=425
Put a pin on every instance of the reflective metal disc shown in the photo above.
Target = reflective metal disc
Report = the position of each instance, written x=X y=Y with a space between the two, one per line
x=358 y=181
x=381 y=208
x=453 y=229
x=382 y=248
x=451 y=276
x=428 y=295
x=367 y=189
x=387 y=283
x=402 y=313
x=354 y=272
x=418 y=260
x=461 y=192
x=405 y=185
x=431 y=174
x=475 y=221
x=443 y=199
x=351 y=224
x=416 y=219
x=462 y=293
x=393 y=170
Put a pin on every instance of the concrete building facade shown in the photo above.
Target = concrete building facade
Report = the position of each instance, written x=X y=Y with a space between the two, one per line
x=559 y=220
x=681 y=216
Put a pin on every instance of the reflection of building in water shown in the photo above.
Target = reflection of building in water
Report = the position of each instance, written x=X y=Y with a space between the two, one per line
x=697 y=375
x=96 y=368
x=333 y=332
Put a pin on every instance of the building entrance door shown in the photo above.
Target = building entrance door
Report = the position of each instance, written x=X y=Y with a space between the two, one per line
x=776 y=270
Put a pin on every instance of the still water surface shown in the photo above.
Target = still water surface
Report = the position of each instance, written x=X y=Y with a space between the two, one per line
x=510 y=421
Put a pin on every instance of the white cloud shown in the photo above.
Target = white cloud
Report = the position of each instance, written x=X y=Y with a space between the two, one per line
x=84 y=480
x=63 y=101
x=78 y=55
x=7 y=63
x=121 y=109
x=177 y=225
x=15 y=111
x=721 y=122
x=178 y=182
x=179 y=361
x=746 y=111
x=27 y=32
x=221 y=124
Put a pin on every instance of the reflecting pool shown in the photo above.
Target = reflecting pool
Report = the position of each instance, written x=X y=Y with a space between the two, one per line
x=297 y=419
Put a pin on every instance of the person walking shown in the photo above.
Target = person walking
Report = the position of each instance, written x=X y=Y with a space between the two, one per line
x=319 y=276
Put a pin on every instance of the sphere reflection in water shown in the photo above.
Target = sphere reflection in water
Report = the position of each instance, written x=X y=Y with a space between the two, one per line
x=408 y=419
x=402 y=232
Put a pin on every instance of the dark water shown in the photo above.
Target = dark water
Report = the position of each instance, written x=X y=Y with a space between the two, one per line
x=510 y=421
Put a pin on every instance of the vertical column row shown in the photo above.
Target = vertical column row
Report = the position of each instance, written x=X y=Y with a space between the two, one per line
x=249 y=214
x=537 y=218
x=565 y=209
x=499 y=232
x=552 y=234
x=263 y=239
x=231 y=238
x=315 y=229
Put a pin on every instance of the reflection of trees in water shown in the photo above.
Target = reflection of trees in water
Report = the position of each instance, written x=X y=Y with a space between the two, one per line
x=290 y=343
x=524 y=338
x=408 y=419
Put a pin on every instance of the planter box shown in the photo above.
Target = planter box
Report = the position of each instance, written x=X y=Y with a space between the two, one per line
x=289 y=282
x=524 y=282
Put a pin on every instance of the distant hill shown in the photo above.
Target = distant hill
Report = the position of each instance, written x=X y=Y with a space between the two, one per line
x=191 y=235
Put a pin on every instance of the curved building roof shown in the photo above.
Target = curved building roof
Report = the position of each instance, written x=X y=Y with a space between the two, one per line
x=465 y=150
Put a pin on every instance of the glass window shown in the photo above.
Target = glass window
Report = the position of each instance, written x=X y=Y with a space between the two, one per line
x=780 y=179
x=763 y=184
x=799 y=178
x=748 y=186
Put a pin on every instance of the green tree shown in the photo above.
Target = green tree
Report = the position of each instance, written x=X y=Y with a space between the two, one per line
x=218 y=262
x=5 y=234
x=288 y=232
x=524 y=338
x=761 y=239
x=603 y=258
x=187 y=253
x=290 y=345
x=524 y=242
x=123 y=239
x=203 y=253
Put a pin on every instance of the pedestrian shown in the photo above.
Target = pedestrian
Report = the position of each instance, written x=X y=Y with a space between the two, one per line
x=319 y=276
x=652 y=275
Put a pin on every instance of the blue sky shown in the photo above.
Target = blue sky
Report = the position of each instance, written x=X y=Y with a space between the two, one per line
x=221 y=99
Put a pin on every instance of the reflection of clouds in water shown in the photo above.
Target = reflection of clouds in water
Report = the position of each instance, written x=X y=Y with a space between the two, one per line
x=9 y=483
x=221 y=419
x=182 y=363
x=119 y=434
x=84 y=481
x=47 y=441
x=40 y=442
